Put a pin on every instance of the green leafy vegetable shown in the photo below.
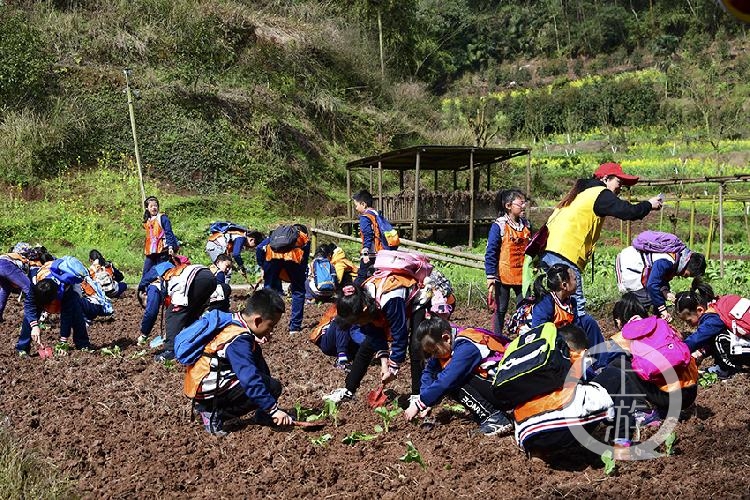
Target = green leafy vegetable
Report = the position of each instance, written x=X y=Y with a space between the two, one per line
x=356 y=436
x=708 y=379
x=609 y=462
x=670 y=442
x=455 y=408
x=388 y=414
x=322 y=440
x=114 y=352
x=413 y=455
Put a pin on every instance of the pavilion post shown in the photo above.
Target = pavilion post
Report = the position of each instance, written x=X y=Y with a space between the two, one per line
x=471 y=199
x=528 y=175
x=415 y=223
x=488 y=177
x=435 y=188
x=401 y=180
x=370 y=179
x=380 y=185
x=349 y=193
x=721 y=230
x=455 y=180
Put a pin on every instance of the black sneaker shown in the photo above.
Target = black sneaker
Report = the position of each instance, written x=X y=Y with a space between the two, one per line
x=163 y=356
x=496 y=424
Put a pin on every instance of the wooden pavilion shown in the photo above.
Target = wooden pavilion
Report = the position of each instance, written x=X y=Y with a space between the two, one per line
x=441 y=208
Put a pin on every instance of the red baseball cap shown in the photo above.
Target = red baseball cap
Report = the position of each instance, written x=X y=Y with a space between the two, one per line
x=607 y=169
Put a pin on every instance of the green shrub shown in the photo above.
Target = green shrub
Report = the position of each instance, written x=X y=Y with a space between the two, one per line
x=26 y=65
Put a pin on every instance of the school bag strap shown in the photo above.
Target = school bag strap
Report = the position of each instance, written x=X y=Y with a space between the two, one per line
x=191 y=341
x=535 y=363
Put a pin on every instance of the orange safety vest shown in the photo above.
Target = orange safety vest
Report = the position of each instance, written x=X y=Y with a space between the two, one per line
x=375 y=229
x=510 y=263
x=200 y=369
x=294 y=255
x=687 y=376
x=479 y=339
x=155 y=239
x=563 y=315
x=555 y=400
x=55 y=306
x=328 y=316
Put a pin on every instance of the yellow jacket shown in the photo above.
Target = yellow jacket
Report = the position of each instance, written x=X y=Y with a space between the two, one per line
x=573 y=230
x=342 y=264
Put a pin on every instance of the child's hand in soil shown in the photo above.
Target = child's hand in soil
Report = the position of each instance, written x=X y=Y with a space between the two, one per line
x=281 y=418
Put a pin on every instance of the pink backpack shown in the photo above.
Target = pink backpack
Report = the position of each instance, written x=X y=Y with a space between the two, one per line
x=655 y=347
x=413 y=265
x=734 y=311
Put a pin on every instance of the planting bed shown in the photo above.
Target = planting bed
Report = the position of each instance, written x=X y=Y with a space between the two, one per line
x=120 y=427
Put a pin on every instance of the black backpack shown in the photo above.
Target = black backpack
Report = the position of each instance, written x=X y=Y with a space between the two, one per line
x=283 y=238
x=536 y=362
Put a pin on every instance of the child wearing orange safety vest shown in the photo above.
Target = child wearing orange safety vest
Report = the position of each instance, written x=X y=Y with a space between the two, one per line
x=160 y=243
x=503 y=260
x=374 y=236
x=106 y=274
x=287 y=264
x=461 y=364
x=231 y=378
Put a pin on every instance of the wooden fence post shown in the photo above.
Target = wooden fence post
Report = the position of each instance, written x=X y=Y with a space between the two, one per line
x=721 y=230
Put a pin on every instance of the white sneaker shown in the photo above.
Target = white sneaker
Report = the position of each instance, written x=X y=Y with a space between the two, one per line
x=339 y=395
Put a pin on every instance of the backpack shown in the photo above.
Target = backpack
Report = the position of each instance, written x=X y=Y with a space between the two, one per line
x=225 y=227
x=324 y=276
x=388 y=232
x=190 y=342
x=216 y=246
x=105 y=279
x=69 y=270
x=655 y=347
x=412 y=265
x=283 y=238
x=734 y=311
x=658 y=242
x=536 y=362
x=520 y=321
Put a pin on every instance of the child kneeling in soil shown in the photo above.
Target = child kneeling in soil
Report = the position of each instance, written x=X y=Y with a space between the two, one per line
x=461 y=363
x=337 y=340
x=231 y=378
x=718 y=322
x=629 y=314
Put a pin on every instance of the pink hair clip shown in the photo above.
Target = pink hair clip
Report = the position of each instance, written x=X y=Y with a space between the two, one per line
x=348 y=290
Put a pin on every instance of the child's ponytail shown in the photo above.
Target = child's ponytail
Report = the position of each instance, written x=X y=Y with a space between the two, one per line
x=700 y=294
x=555 y=277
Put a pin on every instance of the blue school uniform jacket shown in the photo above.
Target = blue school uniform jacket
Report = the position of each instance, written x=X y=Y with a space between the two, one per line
x=709 y=326
x=437 y=381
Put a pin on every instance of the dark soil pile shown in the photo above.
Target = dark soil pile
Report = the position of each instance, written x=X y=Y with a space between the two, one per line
x=120 y=427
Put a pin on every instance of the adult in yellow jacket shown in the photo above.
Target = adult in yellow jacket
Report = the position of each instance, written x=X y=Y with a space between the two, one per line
x=576 y=223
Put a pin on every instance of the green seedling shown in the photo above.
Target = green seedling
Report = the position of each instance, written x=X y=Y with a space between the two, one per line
x=669 y=443
x=139 y=354
x=455 y=408
x=413 y=455
x=708 y=379
x=322 y=440
x=332 y=411
x=62 y=349
x=114 y=352
x=301 y=413
x=388 y=415
x=170 y=364
x=357 y=436
x=610 y=466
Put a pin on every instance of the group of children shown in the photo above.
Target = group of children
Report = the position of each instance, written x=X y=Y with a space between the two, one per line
x=393 y=305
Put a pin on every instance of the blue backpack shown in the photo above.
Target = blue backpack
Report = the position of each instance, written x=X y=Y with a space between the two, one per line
x=324 y=275
x=69 y=270
x=225 y=226
x=192 y=340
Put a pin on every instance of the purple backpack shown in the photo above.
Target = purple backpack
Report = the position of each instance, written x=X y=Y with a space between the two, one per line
x=655 y=347
x=658 y=242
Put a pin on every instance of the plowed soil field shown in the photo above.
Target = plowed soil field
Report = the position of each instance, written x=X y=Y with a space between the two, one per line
x=120 y=428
